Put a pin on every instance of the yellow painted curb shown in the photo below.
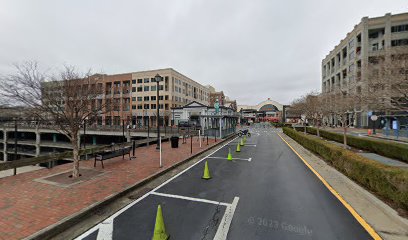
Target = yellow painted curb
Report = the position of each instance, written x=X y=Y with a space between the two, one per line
x=363 y=223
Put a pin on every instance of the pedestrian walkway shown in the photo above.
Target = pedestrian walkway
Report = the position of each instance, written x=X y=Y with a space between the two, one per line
x=380 y=134
x=30 y=201
x=369 y=155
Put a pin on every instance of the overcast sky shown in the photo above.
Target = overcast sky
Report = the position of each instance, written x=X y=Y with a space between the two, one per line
x=250 y=49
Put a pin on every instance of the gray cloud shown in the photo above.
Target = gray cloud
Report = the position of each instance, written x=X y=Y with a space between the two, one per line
x=250 y=49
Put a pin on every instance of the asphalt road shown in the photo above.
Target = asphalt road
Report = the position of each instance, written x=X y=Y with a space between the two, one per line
x=266 y=192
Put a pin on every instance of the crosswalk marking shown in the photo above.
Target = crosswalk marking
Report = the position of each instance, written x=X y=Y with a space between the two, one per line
x=190 y=198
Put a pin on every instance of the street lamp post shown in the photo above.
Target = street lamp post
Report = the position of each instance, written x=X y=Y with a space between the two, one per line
x=86 y=155
x=158 y=79
x=15 y=144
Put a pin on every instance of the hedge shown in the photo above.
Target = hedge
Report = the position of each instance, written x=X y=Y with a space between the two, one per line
x=385 y=148
x=388 y=182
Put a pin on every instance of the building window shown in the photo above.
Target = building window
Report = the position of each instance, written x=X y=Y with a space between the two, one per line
x=146 y=98
x=126 y=83
x=140 y=106
x=374 y=47
x=133 y=99
x=133 y=89
x=161 y=106
x=160 y=87
x=399 y=28
x=139 y=99
x=351 y=68
x=140 y=89
x=146 y=88
x=146 y=106
x=153 y=98
x=134 y=81
x=133 y=106
x=166 y=97
x=139 y=80
x=146 y=80
x=352 y=55
x=399 y=42
x=153 y=106
x=351 y=43
x=153 y=88
x=160 y=98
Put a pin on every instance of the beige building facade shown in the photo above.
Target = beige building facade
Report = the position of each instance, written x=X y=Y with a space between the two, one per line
x=345 y=68
x=176 y=90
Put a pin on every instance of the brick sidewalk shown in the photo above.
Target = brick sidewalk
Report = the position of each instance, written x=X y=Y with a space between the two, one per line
x=27 y=206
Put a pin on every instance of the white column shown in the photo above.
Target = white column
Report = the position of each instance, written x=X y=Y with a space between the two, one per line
x=220 y=128
x=5 y=144
x=37 y=143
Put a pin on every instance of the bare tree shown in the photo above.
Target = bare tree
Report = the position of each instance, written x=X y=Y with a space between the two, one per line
x=311 y=107
x=298 y=107
x=66 y=100
x=342 y=104
x=387 y=89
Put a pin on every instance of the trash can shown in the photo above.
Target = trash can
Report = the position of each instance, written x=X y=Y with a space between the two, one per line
x=174 y=141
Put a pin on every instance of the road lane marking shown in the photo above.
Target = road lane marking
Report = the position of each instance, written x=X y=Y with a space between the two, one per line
x=96 y=227
x=243 y=159
x=363 y=223
x=246 y=145
x=190 y=198
x=105 y=230
x=185 y=170
x=226 y=220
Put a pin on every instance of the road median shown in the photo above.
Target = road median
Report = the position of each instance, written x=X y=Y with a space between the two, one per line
x=388 y=182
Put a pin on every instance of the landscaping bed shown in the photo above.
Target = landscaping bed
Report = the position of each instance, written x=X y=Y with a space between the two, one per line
x=385 y=148
x=390 y=183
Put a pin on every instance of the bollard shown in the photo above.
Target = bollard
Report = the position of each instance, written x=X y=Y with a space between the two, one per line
x=160 y=147
x=199 y=137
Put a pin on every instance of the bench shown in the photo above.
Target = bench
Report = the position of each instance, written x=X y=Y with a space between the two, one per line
x=101 y=156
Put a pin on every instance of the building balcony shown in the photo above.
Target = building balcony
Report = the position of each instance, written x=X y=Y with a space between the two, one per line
x=21 y=142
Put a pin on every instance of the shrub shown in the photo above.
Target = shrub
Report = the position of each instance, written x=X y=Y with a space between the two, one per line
x=386 y=181
x=385 y=148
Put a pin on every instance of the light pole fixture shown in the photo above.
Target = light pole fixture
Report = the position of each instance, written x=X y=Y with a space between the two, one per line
x=85 y=122
x=158 y=79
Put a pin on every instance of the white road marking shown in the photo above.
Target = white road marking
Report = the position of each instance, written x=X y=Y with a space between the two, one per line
x=190 y=198
x=243 y=159
x=226 y=220
x=96 y=227
x=105 y=230
x=246 y=145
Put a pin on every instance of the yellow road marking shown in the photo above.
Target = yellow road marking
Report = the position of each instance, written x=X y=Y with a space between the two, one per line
x=363 y=223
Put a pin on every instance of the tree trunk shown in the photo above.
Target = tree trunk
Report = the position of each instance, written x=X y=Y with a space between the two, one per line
x=345 y=137
x=75 y=154
x=317 y=129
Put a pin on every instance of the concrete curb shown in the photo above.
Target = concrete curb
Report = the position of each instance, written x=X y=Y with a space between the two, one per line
x=58 y=227
x=384 y=219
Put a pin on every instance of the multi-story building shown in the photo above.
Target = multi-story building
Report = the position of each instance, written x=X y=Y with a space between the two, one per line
x=176 y=90
x=216 y=96
x=230 y=103
x=131 y=98
x=346 y=67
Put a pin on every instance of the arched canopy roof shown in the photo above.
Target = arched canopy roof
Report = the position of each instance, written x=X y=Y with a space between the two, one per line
x=268 y=108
